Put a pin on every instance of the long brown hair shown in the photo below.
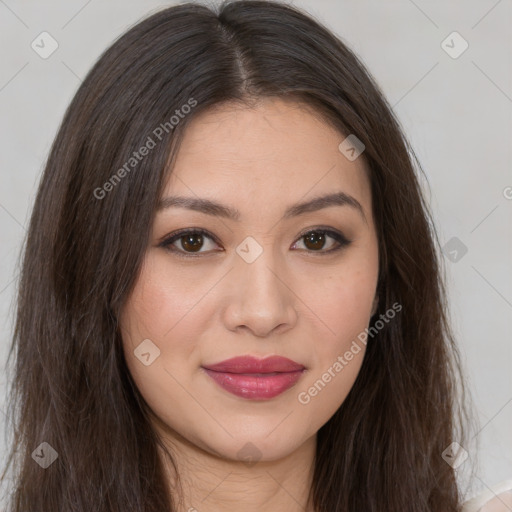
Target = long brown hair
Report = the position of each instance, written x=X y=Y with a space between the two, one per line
x=382 y=449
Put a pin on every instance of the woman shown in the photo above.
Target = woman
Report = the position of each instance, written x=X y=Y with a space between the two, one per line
x=231 y=295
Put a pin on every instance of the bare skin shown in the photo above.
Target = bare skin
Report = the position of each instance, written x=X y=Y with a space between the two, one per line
x=295 y=300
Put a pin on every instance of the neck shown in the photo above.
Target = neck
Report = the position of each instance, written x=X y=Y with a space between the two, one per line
x=207 y=482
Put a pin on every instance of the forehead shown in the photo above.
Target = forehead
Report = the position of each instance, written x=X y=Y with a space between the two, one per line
x=275 y=152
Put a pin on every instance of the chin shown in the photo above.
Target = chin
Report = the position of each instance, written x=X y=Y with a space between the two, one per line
x=255 y=448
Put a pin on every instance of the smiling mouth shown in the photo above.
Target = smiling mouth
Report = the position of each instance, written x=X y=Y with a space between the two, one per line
x=254 y=378
x=255 y=386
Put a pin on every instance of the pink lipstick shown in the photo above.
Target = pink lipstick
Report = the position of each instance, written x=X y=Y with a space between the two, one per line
x=255 y=379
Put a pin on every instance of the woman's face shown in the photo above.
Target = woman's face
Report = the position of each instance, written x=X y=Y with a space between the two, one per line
x=261 y=284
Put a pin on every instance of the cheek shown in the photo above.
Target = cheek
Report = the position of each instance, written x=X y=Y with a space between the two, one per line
x=166 y=311
x=342 y=301
x=160 y=302
x=157 y=311
x=326 y=388
x=339 y=352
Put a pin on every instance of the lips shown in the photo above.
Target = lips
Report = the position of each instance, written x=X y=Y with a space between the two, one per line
x=256 y=379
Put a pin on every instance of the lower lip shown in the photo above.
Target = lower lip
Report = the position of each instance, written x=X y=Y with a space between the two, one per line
x=255 y=387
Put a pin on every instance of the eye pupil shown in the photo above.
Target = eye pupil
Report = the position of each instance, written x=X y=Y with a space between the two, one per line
x=192 y=242
x=316 y=238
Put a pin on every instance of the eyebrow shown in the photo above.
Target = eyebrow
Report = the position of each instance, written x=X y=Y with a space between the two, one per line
x=210 y=207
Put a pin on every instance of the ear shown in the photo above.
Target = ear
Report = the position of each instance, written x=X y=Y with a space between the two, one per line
x=375 y=304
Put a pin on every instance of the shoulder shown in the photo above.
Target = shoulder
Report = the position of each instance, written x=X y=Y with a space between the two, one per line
x=497 y=498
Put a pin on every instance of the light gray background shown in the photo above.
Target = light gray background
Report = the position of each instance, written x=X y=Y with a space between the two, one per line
x=457 y=113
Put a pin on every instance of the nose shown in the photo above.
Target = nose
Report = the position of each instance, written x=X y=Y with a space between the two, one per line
x=261 y=299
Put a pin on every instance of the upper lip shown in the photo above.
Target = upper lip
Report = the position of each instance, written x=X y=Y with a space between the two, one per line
x=250 y=364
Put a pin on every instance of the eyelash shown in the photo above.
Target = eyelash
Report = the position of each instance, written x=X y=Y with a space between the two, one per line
x=168 y=241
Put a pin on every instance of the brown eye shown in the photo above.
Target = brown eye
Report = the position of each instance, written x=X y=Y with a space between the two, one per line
x=192 y=242
x=315 y=240
x=187 y=242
